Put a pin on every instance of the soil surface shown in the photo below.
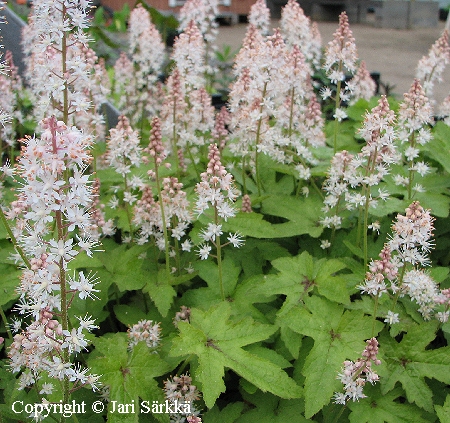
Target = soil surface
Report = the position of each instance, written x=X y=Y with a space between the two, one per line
x=391 y=52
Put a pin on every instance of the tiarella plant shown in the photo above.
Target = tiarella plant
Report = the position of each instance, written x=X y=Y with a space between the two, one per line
x=137 y=86
x=431 y=66
x=217 y=192
x=51 y=215
x=340 y=59
x=415 y=116
x=204 y=14
x=52 y=228
x=298 y=30
x=332 y=306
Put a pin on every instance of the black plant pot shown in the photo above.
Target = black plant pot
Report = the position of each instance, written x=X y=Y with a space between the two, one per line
x=219 y=100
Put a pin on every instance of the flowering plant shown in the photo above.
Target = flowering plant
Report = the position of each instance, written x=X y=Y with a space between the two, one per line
x=262 y=262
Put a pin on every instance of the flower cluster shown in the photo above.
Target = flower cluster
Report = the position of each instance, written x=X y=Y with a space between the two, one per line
x=340 y=61
x=189 y=56
x=379 y=271
x=144 y=331
x=412 y=235
x=123 y=151
x=182 y=316
x=431 y=67
x=62 y=85
x=204 y=14
x=274 y=82
x=148 y=217
x=181 y=390
x=259 y=16
x=10 y=88
x=356 y=374
x=365 y=170
x=187 y=113
x=220 y=132
x=402 y=259
x=340 y=53
x=414 y=116
x=443 y=299
x=49 y=198
x=169 y=214
x=361 y=85
x=297 y=30
x=140 y=87
x=216 y=190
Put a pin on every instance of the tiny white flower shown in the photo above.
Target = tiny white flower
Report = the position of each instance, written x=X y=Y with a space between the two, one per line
x=47 y=389
x=186 y=245
x=324 y=244
x=129 y=198
x=340 y=114
x=236 y=240
x=61 y=250
x=375 y=226
x=85 y=286
x=325 y=92
x=204 y=251
x=113 y=202
x=391 y=318
x=443 y=316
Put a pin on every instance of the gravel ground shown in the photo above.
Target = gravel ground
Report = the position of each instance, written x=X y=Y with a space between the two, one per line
x=391 y=52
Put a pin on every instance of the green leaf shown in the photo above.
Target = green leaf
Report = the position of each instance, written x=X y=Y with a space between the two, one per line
x=384 y=408
x=228 y=414
x=299 y=275
x=270 y=355
x=345 y=135
x=160 y=291
x=291 y=339
x=358 y=110
x=439 y=274
x=410 y=362
x=443 y=412
x=9 y=283
x=209 y=272
x=254 y=255
x=218 y=342
x=337 y=335
x=11 y=392
x=129 y=375
x=128 y=315
x=270 y=409
x=242 y=295
x=84 y=261
x=391 y=205
x=439 y=147
x=437 y=202
x=4 y=233
x=306 y=222
x=356 y=251
x=128 y=268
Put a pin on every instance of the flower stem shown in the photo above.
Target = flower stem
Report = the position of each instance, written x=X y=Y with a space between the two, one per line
x=219 y=255
x=375 y=310
x=127 y=209
x=163 y=219
x=257 y=141
x=411 y=170
x=337 y=104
